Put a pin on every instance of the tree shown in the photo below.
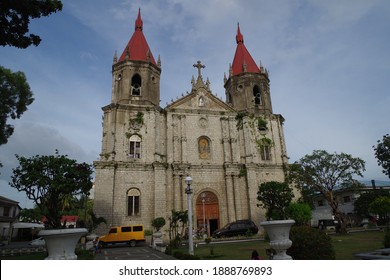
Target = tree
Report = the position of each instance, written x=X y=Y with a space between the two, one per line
x=381 y=207
x=49 y=181
x=275 y=197
x=15 y=93
x=33 y=215
x=176 y=218
x=361 y=204
x=325 y=173
x=15 y=96
x=382 y=154
x=299 y=212
x=158 y=223
x=15 y=18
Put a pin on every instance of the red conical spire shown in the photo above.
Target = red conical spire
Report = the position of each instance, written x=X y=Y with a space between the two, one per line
x=239 y=37
x=137 y=48
x=243 y=61
x=138 y=21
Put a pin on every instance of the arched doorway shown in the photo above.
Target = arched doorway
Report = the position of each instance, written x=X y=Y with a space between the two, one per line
x=207 y=212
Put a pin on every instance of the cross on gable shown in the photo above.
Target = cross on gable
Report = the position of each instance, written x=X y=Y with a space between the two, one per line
x=199 y=65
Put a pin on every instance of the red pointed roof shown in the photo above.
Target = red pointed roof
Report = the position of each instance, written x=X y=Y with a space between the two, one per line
x=137 y=48
x=242 y=57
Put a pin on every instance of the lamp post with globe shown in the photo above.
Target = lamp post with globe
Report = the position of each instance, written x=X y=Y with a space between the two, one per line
x=188 y=191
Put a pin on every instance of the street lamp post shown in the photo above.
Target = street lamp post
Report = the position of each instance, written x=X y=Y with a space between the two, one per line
x=203 y=195
x=188 y=181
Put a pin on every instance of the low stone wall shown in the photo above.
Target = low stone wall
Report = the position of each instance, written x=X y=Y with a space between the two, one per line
x=380 y=254
x=21 y=251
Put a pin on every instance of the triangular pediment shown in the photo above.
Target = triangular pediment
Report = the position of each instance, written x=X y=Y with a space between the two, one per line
x=200 y=98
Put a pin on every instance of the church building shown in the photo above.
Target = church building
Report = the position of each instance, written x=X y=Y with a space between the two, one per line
x=228 y=147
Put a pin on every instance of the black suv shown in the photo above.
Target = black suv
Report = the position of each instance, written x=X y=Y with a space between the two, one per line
x=240 y=227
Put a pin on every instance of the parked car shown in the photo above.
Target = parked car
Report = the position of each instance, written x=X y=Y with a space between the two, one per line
x=131 y=234
x=239 y=227
x=38 y=242
x=328 y=224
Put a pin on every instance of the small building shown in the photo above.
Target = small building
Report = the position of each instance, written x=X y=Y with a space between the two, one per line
x=67 y=221
x=9 y=213
x=346 y=198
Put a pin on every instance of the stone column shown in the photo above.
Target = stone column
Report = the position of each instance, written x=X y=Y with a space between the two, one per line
x=230 y=198
x=247 y=141
x=160 y=199
x=183 y=139
x=176 y=191
x=241 y=197
x=176 y=138
x=225 y=141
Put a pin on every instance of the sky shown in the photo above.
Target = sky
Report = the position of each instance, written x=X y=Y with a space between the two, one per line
x=329 y=65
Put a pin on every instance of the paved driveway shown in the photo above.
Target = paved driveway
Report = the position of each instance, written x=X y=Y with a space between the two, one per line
x=131 y=253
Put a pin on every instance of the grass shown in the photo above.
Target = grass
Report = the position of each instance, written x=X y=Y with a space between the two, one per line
x=348 y=245
x=345 y=247
x=81 y=255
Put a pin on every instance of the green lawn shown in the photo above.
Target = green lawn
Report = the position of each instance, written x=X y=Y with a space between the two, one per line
x=345 y=247
x=348 y=245
x=81 y=255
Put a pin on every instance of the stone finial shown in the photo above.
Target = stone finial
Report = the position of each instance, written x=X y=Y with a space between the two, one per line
x=115 y=60
x=244 y=67
x=148 y=55
x=261 y=67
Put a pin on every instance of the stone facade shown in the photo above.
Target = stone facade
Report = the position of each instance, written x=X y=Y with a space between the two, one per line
x=228 y=148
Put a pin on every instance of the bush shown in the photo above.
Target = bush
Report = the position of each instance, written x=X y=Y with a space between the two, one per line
x=184 y=256
x=299 y=212
x=386 y=241
x=310 y=244
x=275 y=197
x=158 y=223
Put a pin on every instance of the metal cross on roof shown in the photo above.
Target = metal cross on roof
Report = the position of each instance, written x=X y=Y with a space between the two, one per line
x=199 y=65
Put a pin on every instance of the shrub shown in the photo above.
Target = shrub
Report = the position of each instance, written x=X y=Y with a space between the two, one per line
x=310 y=244
x=184 y=256
x=386 y=241
x=299 y=212
x=275 y=197
x=158 y=223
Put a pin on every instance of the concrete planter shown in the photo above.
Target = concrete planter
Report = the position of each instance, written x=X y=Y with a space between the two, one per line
x=61 y=243
x=279 y=234
x=157 y=240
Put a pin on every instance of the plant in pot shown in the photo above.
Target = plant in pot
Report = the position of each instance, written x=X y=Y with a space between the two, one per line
x=275 y=197
x=52 y=182
x=157 y=224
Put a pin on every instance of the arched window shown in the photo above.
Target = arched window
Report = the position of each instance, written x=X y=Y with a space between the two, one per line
x=257 y=95
x=136 y=83
x=265 y=152
x=133 y=201
x=135 y=146
x=204 y=148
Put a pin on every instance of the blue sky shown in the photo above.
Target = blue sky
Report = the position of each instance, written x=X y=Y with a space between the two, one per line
x=329 y=64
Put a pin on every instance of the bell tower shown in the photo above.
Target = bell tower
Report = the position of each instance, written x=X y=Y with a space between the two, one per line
x=247 y=88
x=136 y=75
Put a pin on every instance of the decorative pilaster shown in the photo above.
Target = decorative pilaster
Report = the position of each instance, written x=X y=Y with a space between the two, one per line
x=230 y=198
